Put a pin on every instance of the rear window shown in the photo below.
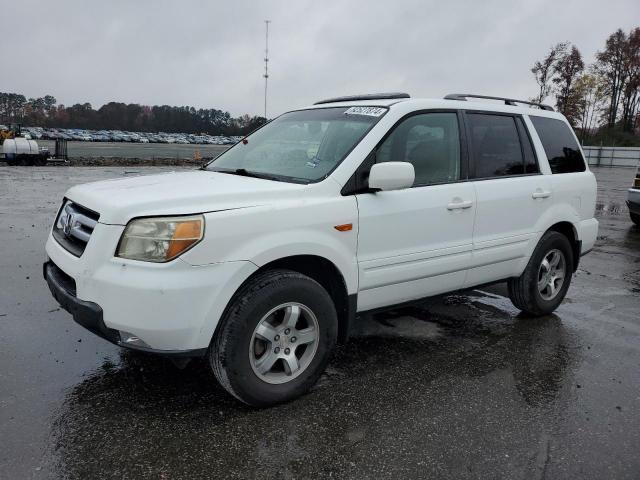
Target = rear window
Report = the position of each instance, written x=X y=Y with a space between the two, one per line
x=559 y=144
x=496 y=147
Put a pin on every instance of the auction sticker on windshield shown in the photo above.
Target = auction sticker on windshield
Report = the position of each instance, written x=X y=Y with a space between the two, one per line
x=369 y=111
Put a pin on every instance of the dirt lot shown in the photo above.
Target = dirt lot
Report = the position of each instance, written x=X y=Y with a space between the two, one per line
x=460 y=386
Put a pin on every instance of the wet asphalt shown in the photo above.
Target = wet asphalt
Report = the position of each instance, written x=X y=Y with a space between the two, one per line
x=460 y=386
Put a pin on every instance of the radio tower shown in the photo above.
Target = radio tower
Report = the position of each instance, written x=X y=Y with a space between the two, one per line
x=266 y=64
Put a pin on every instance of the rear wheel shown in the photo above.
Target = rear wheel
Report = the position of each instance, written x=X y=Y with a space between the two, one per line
x=545 y=281
x=275 y=338
x=635 y=218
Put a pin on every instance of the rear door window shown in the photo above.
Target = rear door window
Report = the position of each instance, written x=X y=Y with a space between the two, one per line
x=559 y=144
x=495 y=145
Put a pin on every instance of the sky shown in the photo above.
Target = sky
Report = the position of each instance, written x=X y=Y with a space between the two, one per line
x=210 y=54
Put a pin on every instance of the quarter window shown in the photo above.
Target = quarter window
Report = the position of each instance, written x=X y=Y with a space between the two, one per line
x=496 y=147
x=429 y=141
x=559 y=144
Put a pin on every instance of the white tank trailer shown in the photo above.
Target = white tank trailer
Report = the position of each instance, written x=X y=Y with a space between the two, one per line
x=23 y=151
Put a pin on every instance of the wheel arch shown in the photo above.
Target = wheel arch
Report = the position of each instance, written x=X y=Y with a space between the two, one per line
x=327 y=274
x=569 y=230
x=323 y=271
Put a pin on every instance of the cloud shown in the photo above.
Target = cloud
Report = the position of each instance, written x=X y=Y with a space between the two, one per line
x=210 y=54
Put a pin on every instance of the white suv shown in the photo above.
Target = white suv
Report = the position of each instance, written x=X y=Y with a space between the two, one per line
x=261 y=260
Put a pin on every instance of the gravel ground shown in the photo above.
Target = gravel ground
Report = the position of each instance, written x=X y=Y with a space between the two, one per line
x=460 y=386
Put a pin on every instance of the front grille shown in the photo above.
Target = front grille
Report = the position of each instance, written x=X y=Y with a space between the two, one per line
x=74 y=226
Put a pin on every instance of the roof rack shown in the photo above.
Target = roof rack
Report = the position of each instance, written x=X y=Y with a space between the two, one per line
x=369 y=96
x=507 y=101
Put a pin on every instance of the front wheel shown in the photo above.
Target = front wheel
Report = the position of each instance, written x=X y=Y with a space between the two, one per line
x=635 y=218
x=275 y=338
x=545 y=281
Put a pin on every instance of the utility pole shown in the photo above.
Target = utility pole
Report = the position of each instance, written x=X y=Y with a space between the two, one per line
x=266 y=64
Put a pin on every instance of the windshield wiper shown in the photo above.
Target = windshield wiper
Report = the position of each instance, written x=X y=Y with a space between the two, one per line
x=243 y=172
x=248 y=173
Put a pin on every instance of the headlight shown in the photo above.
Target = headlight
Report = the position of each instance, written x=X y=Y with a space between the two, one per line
x=160 y=239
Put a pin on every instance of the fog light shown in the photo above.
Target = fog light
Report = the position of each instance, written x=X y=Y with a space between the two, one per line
x=127 y=338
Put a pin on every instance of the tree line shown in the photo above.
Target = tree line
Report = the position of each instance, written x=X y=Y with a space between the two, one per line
x=602 y=99
x=46 y=112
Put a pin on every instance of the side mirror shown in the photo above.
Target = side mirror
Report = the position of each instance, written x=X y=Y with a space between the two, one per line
x=391 y=176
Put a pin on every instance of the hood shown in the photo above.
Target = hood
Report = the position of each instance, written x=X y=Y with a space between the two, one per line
x=176 y=193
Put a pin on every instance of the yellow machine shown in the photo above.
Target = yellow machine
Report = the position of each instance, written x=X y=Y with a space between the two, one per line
x=7 y=134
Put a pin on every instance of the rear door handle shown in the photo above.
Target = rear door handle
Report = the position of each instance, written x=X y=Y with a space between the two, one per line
x=459 y=205
x=541 y=194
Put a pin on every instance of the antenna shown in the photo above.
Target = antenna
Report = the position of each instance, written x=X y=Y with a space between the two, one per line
x=266 y=64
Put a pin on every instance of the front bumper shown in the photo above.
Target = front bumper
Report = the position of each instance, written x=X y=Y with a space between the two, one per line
x=172 y=307
x=89 y=314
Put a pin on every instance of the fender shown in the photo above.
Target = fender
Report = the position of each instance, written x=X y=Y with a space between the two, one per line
x=562 y=212
x=264 y=234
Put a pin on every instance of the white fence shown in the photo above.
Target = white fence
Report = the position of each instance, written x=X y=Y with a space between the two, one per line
x=613 y=156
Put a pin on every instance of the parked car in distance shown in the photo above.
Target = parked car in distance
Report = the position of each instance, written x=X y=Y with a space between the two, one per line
x=633 y=199
x=81 y=135
x=260 y=261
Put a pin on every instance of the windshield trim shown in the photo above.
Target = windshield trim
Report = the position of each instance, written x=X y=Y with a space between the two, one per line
x=338 y=163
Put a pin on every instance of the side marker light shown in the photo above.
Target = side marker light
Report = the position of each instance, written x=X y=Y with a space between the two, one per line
x=345 y=227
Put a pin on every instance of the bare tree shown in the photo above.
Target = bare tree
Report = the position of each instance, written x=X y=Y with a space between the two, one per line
x=610 y=65
x=631 y=90
x=568 y=68
x=543 y=70
x=588 y=96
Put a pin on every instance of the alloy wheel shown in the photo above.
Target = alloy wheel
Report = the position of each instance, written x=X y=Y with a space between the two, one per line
x=284 y=343
x=551 y=274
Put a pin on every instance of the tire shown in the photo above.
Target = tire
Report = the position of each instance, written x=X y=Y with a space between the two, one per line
x=238 y=353
x=525 y=292
x=635 y=218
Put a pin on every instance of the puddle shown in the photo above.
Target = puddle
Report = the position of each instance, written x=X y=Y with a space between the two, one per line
x=633 y=277
x=496 y=301
x=613 y=208
x=400 y=326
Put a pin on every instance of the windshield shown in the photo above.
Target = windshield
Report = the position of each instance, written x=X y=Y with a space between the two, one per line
x=303 y=146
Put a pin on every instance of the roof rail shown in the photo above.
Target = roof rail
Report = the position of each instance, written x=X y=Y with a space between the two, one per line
x=369 y=96
x=507 y=101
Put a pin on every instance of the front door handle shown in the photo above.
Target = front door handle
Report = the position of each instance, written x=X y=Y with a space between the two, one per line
x=459 y=204
x=541 y=194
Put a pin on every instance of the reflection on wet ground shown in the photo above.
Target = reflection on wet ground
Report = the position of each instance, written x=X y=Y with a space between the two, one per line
x=121 y=417
x=461 y=386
